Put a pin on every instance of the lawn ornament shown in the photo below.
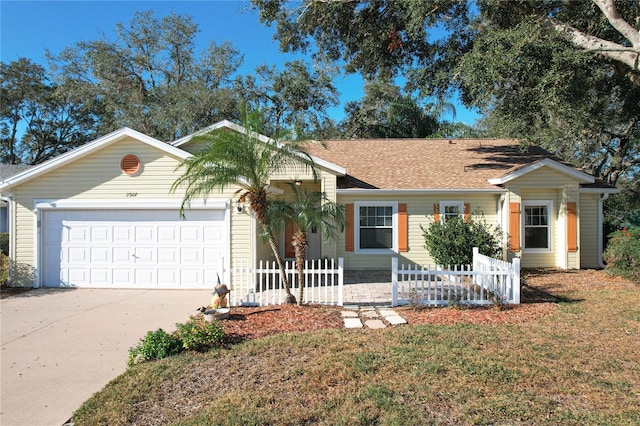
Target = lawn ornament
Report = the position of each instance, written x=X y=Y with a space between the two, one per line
x=219 y=299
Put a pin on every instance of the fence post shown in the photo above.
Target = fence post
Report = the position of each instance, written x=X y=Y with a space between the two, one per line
x=474 y=264
x=340 y=281
x=394 y=281
x=516 y=281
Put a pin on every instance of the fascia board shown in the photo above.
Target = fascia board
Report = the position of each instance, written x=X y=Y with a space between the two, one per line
x=88 y=148
x=546 y=162
x=599 y=190
x=429 y=191
x=339 y=171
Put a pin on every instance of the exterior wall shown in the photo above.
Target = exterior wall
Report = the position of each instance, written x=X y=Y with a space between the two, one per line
x=546 y=184
x=589 y=246
x=98 y=177
x=420 y=211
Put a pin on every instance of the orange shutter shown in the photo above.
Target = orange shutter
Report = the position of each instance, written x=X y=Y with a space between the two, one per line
x=349 y=228
x=467 y=212
x=514 y=227
x=572 y=228
x=403 y=228
x=436 y=212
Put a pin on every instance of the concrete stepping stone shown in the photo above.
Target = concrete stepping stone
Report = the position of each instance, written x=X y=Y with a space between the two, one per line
x=375 y=324
x=349 y=314
x=352 y=323
x=370 y=314
x=395 y=320
x=387 y=313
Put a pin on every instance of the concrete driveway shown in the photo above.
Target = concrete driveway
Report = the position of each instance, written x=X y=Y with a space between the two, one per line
x=61 y=346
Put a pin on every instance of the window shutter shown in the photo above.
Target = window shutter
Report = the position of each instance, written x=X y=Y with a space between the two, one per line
x=467 y=211
x=403 y=228
x=572 y=228
x=349 y=228
x=514 y=227
x=436 y=212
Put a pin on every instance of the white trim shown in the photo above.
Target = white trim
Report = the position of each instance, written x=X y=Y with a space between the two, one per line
x=550 y=226
x=88 y=148
x=137 y=204
x=340 y=171
x=356 y=226
x=429 y=191
x=545 y=162
x=599 y=191
x=444 y=204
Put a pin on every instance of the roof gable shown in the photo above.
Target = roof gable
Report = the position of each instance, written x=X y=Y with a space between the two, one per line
x=228 y=125
x=88 y=148
x=546 y=162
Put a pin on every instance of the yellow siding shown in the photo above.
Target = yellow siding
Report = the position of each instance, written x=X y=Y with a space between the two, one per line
x=98 y=176
x=589 y=249
x=420 y=213
x=547 y=184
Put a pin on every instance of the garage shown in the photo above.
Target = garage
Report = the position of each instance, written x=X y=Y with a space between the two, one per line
x=126 y=248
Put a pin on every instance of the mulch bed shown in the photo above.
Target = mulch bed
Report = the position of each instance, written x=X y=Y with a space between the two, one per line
x=542 y=289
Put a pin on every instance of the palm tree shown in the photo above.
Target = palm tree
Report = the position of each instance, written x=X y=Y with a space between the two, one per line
x=307 y=209
x=244 y=159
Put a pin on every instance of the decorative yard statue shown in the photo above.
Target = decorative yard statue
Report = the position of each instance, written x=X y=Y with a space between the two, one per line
x=219 y=299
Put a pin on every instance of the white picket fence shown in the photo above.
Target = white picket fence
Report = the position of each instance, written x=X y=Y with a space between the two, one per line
x=262 y=286
x=486 y=281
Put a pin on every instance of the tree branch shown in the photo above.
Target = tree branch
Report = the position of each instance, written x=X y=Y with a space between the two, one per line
x=623 y=27
x=617 y=52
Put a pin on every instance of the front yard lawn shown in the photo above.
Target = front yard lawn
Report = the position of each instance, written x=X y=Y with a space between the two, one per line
x=574 y=361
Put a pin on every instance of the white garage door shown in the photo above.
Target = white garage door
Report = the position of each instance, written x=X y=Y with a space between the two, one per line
x=133 y=248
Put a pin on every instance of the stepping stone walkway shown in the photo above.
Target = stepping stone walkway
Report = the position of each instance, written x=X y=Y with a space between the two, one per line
x=369 y=317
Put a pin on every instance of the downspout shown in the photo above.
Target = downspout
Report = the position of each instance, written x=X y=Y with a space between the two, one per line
x=500 y=223
x=11 y=234
x=601 y=200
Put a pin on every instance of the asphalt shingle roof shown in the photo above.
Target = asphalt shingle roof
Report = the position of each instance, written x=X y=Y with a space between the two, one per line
x=425 y=163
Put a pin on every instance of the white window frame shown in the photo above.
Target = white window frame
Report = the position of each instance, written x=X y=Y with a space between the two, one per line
x=445 y=204
x=394 y=228
x=550 y=224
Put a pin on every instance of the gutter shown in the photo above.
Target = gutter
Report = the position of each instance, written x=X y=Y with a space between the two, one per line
x=360 y=191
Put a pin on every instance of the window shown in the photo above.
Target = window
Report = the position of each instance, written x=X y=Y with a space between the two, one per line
x=537 y=225
x=449 y=209
x=377 y=226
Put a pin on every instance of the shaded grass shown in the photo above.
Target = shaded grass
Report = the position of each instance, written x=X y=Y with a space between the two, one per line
x=576 y=366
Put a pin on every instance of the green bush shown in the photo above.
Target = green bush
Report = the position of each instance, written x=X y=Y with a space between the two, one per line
x=452 y=242
x=623 y=254
x=200 y=335
x=4 y=243
x=155 y=345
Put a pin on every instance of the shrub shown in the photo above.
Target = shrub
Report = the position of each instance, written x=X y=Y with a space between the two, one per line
x=4 y=243
x=155 y=345
x=200 y=335
x=452 y=242
x=623 y=254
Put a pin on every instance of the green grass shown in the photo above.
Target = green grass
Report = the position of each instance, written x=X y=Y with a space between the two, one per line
x=577 y=366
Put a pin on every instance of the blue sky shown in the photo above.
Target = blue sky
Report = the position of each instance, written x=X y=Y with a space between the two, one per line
x=30 y=27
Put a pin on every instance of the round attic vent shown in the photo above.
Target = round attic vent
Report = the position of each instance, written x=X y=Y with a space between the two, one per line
x=130 y=164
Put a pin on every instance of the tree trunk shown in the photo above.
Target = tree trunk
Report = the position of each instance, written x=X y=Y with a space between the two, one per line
x=283 y=274
x=258 y=201
x=300 y=244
